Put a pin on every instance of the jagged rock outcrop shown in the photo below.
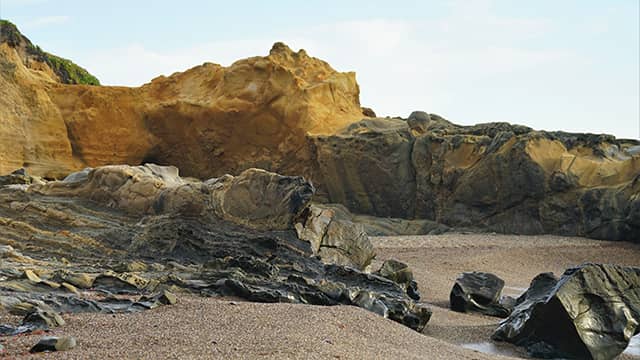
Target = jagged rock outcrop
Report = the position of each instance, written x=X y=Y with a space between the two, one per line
x=141 y=230
x=592 y=312
x=497 y=176
x=255 y=198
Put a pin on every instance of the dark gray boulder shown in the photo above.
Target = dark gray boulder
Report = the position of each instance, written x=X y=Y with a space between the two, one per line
x=480 y=292
x=592 y=312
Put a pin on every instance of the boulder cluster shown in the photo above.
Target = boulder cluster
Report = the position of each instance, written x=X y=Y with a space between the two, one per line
x=591 y=312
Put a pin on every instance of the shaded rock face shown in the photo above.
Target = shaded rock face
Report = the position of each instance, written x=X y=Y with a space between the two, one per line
x=142 y=230
x=367 y=167
x=480 y=292
x=497 y=176
x=592 y=312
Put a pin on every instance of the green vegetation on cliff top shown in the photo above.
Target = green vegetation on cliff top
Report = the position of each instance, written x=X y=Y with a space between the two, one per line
x=67 y=71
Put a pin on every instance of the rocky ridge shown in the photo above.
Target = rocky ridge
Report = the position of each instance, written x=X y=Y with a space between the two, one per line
x=498 y=177
x=80 y=244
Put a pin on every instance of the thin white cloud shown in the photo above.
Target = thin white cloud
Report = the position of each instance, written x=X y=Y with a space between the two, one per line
x=44 y=21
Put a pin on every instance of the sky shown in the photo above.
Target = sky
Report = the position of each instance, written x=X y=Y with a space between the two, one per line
x=570 y=65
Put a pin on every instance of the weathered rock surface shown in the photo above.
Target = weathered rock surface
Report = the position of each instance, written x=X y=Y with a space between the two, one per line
x=209 y=120
x=293 y=114
x=335 y=237
x=498 y=177
x=592 y=312
x=399 y=272
x=480 y=292
x=131 y=231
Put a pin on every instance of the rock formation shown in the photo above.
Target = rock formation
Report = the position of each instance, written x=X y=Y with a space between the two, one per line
x=498 y=177
x=293 y=114
x=142 y=230
x=209 y=120
x=590 y=313
x=480 y=292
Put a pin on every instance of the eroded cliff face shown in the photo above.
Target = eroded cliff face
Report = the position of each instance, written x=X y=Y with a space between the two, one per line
x=33 y=133
x=501 y=177
x=210 y=119
x=293 y=114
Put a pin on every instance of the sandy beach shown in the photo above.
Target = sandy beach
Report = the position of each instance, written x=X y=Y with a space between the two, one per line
x=203 y=328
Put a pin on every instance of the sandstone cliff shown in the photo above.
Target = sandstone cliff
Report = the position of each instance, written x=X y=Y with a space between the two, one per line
x=210 y=119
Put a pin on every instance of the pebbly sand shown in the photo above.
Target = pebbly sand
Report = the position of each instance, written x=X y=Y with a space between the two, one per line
x=204 y=328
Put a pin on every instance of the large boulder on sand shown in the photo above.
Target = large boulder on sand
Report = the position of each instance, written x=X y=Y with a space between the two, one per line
x=592 y=312
x=334 y=237
x=480 y=292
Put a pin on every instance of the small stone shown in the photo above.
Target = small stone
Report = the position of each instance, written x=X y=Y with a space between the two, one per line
x=32 y=276
x=43 y=319
x=368 y=112
x=70 y=287
x=167 y=298
x=81 y=280
x=53 y=343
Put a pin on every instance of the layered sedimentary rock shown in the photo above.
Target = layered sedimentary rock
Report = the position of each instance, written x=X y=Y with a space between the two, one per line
x=592 y=312
x=142 y=230
x=496 y=176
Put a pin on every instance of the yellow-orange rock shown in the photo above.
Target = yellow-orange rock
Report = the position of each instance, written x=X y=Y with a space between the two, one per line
x=210 y=119
x=33 y=133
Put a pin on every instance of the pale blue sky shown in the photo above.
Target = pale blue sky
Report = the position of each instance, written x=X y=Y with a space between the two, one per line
x=557 y=65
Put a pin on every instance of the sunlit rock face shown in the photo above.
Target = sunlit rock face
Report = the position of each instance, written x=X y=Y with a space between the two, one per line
x=209 y=120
